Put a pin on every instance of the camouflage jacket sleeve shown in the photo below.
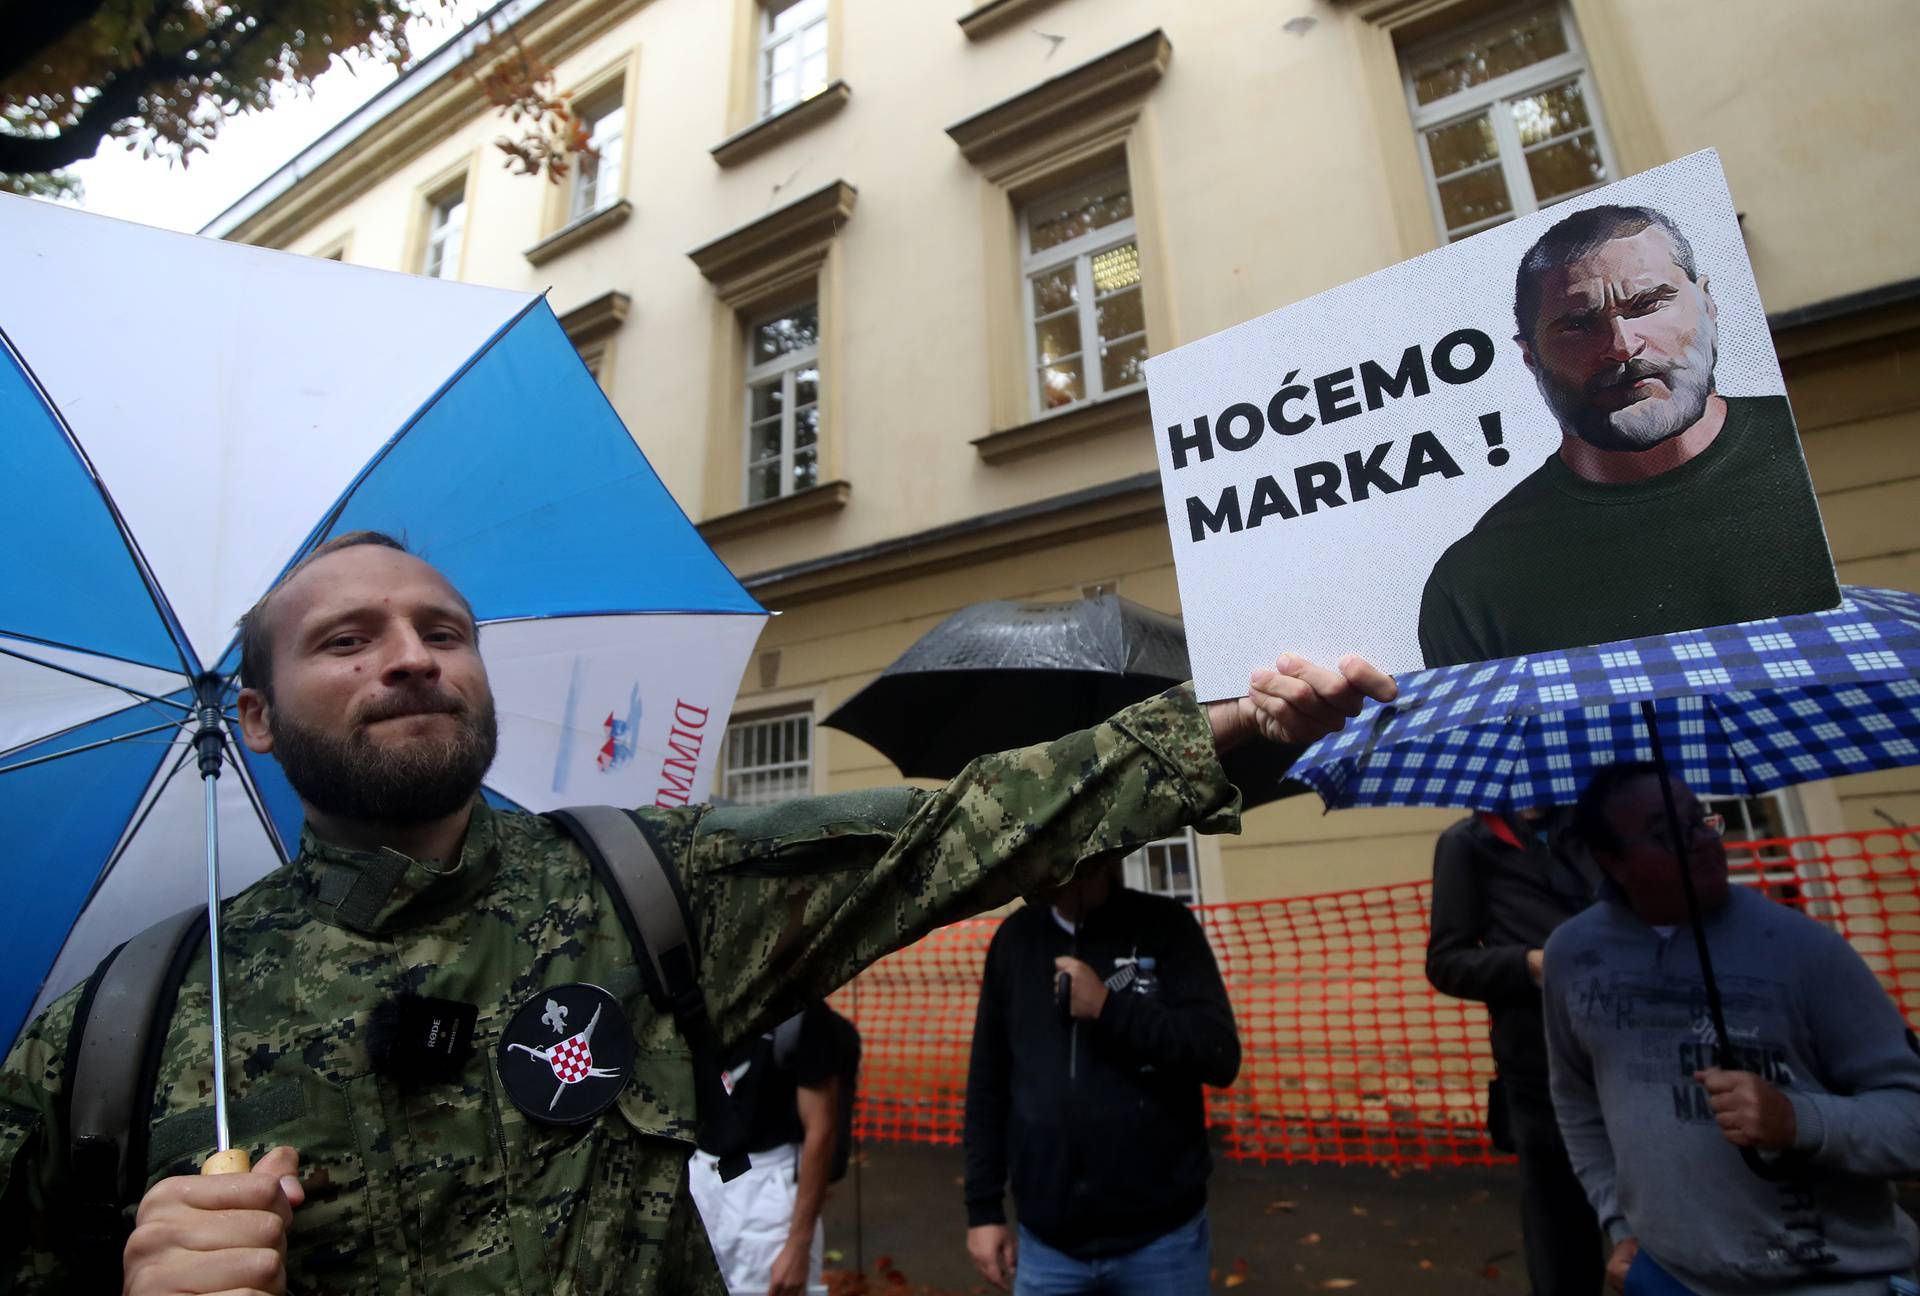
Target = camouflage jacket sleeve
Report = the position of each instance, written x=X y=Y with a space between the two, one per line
x=33 y=1155
x=791 y=901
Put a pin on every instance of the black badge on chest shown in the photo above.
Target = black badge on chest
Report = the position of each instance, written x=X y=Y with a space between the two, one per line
x=566 y=1054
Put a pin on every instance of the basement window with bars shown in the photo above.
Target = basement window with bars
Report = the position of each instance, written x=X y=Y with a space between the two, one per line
x=767 y=758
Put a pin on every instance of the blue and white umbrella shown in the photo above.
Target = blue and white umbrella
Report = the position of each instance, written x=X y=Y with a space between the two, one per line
x=1741 y=709
x=181 y=419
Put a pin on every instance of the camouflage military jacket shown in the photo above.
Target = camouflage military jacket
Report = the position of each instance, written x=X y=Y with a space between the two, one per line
x=450 y=1189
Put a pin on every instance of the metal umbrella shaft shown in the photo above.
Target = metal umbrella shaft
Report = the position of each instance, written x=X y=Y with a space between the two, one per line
x=207 y=743
x=1696 y=920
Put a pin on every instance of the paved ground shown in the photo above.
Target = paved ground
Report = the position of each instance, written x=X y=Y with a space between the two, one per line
x=1275 y=1229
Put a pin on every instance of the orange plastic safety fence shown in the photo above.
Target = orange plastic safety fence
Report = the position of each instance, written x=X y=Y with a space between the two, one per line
x=1349 y=1056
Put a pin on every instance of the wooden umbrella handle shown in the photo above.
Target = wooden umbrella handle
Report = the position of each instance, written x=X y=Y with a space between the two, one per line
x=231 y=1161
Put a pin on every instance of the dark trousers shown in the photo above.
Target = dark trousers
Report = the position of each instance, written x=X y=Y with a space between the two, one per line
x=1562 y=1237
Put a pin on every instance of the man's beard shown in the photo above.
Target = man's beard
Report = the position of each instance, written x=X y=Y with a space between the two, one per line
x=1645 y=423
x=406 y=783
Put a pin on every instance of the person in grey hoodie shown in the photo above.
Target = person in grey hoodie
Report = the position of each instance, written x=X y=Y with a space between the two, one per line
x=1826 y=1076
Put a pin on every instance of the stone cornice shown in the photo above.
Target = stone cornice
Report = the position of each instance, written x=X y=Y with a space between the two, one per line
x=1074 y=427
x=555 y=29
x=1117 y=76
x=596 y=318
x=783 y=125
x=996 y=14
x=1097 y=510
x=1840 y=322
x=743 y=262
x=827 y=497
x=579 y=230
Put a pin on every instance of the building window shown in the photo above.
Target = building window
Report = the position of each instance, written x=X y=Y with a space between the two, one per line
x=793 y=52
x=1507 y=120
x=767 y=758
x=1086 y=327
x=596 y=175
x=1166 y=868
x=446 y=220
x=783 y=404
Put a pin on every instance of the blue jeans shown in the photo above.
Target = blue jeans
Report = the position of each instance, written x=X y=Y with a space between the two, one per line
x=1173 y=1264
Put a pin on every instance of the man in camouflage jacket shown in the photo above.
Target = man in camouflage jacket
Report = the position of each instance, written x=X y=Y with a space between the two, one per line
x=364 y=680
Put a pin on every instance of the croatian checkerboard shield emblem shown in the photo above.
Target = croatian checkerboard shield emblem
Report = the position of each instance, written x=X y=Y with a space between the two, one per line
x=566 y=1077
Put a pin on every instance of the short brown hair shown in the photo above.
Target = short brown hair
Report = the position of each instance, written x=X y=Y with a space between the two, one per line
x=256 y=647
x=1579 y=234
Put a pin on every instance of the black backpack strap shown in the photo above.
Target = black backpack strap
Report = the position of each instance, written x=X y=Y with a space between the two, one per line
x=646 y=894
x=113 y=1064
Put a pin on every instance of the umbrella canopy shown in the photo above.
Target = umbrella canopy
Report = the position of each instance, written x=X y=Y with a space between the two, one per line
x=1007 y=674
x=1741 y=709
x=184 y=419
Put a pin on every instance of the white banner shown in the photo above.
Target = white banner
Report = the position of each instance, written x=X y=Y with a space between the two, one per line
x=1460 y=458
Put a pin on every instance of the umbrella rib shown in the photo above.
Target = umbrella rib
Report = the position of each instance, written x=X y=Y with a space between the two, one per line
x=253 y=796
x=120 y=848
x=133 y=828
x=92 y=746
x=332 y=515
x=128 y=689
x=189 y=663
x=379 y=456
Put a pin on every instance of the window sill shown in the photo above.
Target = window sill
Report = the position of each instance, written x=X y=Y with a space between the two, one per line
x=1124 y=412
x=578 y=231
x=990 y=17
x=828 y=497
x=786 y=123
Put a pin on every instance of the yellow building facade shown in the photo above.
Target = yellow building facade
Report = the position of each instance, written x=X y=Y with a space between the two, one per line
x=870 y=280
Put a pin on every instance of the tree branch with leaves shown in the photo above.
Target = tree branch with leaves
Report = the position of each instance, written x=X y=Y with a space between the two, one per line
x=165 y=75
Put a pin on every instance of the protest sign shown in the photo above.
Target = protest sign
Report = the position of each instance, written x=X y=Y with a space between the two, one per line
x=1566 y=430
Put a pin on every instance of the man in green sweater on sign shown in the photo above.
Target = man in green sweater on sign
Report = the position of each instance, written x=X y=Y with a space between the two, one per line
x=1667 y=506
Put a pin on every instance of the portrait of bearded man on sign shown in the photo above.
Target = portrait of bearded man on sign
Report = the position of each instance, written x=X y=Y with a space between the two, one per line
x=1667 y=505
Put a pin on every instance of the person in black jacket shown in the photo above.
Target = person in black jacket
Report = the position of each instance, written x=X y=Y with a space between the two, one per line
x=1500 y=886
x=1096 y=1101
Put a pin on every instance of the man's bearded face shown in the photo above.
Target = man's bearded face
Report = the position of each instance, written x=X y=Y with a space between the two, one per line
x=1624 y=344
x=1587 y=408
x=398 y=781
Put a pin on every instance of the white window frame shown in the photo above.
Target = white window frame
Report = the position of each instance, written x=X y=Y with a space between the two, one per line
x=784 y=367
x=1134 y=867
x=1081 y=252
x=763 y=721
x=435 y=261
x=592 y=187
x=1558 y=70
x=769 y=42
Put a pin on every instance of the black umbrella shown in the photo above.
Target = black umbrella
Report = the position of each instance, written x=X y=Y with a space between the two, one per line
x=1005 y=674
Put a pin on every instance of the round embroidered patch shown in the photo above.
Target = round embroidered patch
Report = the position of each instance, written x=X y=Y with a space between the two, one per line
x=566 y=1054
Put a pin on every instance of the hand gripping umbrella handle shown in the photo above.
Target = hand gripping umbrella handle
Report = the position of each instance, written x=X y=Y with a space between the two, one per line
x=1778 y=1168
x=227 y=1161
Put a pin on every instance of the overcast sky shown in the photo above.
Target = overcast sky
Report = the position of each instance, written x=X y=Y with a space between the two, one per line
x=119 y=182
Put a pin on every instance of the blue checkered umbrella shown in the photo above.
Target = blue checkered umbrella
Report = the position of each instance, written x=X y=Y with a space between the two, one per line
x=1741 y=709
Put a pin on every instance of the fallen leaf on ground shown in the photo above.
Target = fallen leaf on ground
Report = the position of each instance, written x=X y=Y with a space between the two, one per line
x=1336 y=1284
x=1310 y=1239
x=1273 y=1206
x=1426 y=1264
x=1235 y=1279
x=1490 y=1272
x=1360 y=1211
